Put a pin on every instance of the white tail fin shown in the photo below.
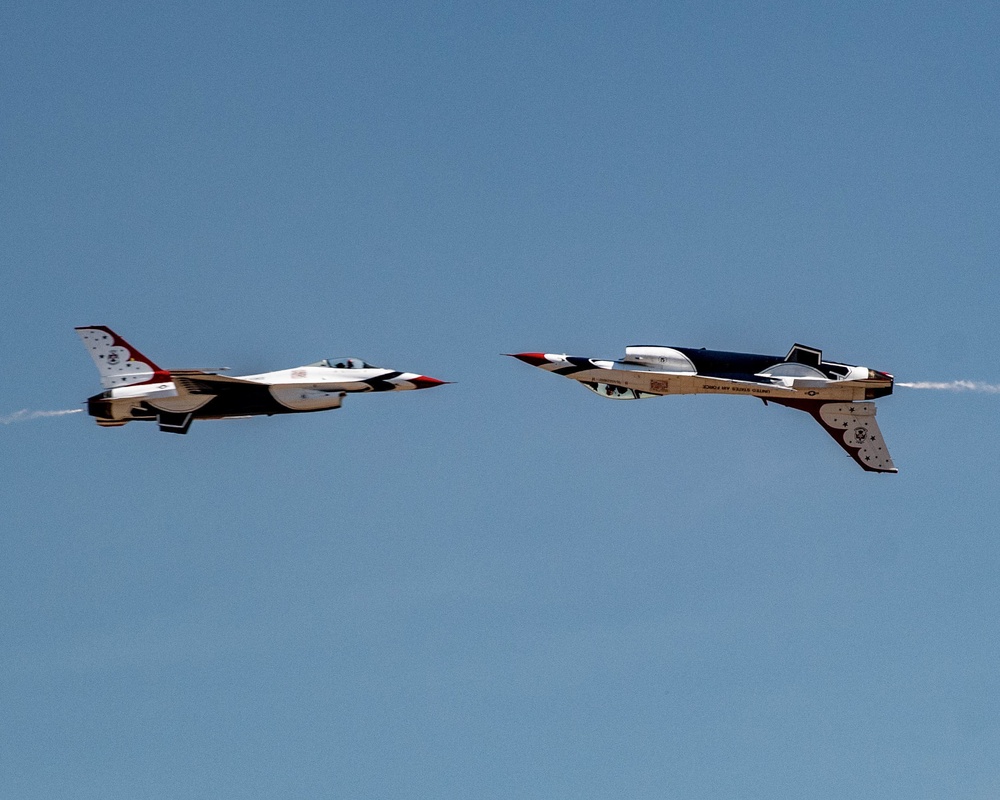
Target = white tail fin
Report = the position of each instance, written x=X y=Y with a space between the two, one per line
x=854 y=428
x=117 y=361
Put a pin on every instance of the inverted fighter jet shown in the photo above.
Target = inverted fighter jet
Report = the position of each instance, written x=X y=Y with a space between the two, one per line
x=137 y=389
x=837 y=395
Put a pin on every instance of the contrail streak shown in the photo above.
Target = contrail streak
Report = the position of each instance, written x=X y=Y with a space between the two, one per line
x=24 y=414
x=954 y=386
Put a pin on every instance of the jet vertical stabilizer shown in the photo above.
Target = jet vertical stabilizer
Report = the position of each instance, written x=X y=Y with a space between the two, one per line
x=118 y=362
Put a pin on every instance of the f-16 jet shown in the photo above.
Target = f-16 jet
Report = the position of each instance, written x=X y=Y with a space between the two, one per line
x=137 y=389
x=837 y=395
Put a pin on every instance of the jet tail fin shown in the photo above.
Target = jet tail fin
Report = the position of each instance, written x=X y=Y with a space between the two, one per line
x=802 y=354
x=118 y=362
x=853 y=427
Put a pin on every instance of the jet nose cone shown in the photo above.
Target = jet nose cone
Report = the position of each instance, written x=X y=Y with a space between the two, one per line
x=425 y=382
x=535 y=359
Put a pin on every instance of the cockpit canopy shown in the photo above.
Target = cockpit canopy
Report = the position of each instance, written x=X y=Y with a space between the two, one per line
x=342 y=363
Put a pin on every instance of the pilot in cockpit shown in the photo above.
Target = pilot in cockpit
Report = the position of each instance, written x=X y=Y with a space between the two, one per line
x=342 y=363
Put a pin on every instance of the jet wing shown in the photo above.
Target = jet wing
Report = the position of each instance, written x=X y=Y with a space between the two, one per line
x=194 y=382
x=853 y=427
x=209 y=383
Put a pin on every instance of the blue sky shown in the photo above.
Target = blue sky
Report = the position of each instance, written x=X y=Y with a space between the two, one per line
x=506 y=587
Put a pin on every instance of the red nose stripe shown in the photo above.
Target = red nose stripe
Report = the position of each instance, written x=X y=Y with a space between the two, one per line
x=423 y=382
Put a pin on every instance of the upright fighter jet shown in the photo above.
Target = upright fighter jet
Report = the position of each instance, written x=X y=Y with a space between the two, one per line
x=837 y=395
x=137 y=389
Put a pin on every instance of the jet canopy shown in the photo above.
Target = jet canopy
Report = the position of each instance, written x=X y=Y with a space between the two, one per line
x=342 y=363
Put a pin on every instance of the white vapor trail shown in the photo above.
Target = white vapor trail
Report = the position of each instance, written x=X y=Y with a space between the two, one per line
x=954 y=386
x=24 y=414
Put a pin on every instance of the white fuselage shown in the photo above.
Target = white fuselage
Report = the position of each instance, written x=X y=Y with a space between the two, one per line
x=306 y=388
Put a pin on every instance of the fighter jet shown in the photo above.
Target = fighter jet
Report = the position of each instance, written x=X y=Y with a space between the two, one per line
x=137 y=389
x=837 y=395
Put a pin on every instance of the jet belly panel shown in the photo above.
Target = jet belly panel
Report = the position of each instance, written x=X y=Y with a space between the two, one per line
x=306 y=398
x=698 y=384
x=664 y=383
x=832 y=390
x=182 y=404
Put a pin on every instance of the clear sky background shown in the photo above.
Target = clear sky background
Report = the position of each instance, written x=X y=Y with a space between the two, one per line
x=506 y=587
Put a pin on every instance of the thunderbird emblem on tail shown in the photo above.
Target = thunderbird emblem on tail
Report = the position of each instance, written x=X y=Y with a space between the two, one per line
x=837 y=395
x=137 y=389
